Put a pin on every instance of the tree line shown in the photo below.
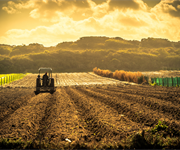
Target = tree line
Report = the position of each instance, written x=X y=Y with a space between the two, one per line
x=89 y=52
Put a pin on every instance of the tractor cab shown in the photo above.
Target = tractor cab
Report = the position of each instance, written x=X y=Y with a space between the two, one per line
x=45 y=81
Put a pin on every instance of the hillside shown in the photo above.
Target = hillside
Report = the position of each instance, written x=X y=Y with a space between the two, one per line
x=89 y=52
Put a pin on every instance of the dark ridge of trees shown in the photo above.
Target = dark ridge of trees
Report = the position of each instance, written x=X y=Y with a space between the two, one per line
x=80 y=61
x=176 y=44
x=23 y=49
x=99 y=43
x=4 y=51
x=156 y=43
x=88 y=52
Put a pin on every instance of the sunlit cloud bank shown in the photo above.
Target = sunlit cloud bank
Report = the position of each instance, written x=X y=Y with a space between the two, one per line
x=73 y=19
x=13 y=7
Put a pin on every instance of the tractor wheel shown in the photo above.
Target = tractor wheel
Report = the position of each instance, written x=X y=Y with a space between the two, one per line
x=51 y=91
x=38 y=82
x=52 y=86
x=38 y=85
x=52 y=83
x=37 y=92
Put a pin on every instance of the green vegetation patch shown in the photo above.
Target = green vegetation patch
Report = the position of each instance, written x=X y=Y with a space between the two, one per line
x=7 y=78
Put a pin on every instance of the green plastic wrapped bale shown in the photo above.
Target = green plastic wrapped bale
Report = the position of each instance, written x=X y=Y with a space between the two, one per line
x=152 y=80
x=165 y=81
x=157 y=81
x=169 y=82
x=178 y=80
x=161 y=81
x=175 y=81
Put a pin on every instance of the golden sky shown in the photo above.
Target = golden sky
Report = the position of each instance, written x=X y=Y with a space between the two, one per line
x=50 y=22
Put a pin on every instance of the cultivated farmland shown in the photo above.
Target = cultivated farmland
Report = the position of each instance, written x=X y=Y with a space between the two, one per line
x=88 y=111
x=67 y=79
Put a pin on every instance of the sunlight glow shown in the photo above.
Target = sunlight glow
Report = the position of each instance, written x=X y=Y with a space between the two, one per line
x=60 y=20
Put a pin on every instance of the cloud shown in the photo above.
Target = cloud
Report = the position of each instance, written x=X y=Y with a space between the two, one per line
x=132 y=21
x=176 y=11
x=67 y=29
x=171 y=7
x=126 y=4
x=99 y=9
x=71 y=20
x=130 y=25
x=119 y=19
x=123 y=4
x=13 y=7
x=98 y=2
x=151 y=3
x=168 y=21
x=34 y=14
x=46 y=10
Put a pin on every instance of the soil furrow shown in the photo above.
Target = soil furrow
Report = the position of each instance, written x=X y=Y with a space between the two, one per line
x=13 y=101
x=89 y=113
x=166 y=107
x=164 y=95
x=68 y=123
x=119 y=104
x=109 y=116
x=135 y=112
x=154 y=89
x=50 y=113
x=25 y=121
x=11 y=94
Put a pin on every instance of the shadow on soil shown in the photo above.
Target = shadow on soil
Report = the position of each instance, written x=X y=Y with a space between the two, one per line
x=44 y=92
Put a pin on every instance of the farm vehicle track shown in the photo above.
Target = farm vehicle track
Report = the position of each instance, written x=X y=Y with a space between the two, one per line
x=92 y=115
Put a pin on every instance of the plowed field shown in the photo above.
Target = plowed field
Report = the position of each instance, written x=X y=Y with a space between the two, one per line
x=93 y=115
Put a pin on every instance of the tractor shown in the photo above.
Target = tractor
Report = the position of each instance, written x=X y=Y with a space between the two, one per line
x=46 y=83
